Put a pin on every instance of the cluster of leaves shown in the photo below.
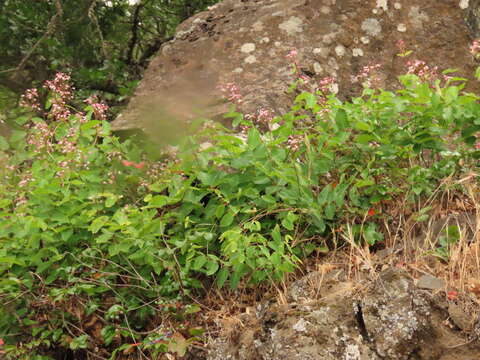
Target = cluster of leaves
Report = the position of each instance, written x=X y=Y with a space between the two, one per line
x=93 y=242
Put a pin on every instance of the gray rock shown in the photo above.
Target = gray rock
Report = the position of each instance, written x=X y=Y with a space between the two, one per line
x=334 y=38
x=390 y=319
x=431 y=283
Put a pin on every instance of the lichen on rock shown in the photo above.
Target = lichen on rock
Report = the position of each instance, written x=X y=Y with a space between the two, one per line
x=337 y=38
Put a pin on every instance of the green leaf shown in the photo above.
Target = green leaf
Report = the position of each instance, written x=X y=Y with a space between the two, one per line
x=341 y=119
x=98 y=223
x=3 y=144
x=254 y=139
x=363 y=126
x=199 y=262
x=157 y=201
x=222 y=276
x=227 y=219
x=212 y=267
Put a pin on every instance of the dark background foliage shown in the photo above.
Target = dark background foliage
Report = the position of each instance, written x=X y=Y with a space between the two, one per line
x=105 y=45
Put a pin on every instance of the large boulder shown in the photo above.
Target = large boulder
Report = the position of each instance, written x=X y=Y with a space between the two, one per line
x=387 y=318
x=245 y=42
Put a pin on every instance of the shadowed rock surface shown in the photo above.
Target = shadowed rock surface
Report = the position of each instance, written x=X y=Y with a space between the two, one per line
x=388 y=318
x=246 y=41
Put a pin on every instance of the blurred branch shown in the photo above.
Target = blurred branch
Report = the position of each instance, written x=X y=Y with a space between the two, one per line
x=135 y=28
x=93 y=17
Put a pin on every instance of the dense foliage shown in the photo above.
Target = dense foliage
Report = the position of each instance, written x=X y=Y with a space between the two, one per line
x=98 y=237
x=105 y=44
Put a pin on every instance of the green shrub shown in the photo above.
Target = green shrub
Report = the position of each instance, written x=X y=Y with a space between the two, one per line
x=93 y=229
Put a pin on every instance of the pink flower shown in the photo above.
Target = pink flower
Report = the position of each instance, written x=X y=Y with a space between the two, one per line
x=475 y=48
x=401 y=46
x=292 y=54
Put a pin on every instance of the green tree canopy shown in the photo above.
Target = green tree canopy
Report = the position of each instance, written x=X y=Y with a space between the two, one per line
x=103 y=43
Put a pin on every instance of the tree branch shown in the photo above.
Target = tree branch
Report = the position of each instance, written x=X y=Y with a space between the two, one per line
x=134 y=38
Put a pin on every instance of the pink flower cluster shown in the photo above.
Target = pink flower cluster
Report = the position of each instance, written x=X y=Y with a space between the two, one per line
x=39 y=136
x=100 y=109
x=31 y=100
x=401 y=46
x=325 y=84
x=368 y=76
x=231 y=92
x=422 y=70
x=475 y=48
x=264 y=116
x=62 y=93
x=294 y=142
x=292 y=55
x=26 y=178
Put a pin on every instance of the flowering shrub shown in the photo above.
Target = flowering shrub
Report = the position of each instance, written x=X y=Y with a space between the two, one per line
x=97 y=239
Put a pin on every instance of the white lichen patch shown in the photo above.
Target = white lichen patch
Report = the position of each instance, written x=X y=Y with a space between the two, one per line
x=401 y=27
x=250 y=59
x=372 y=27
x=417 y=17
x=365 y=39
x=357 y=52
x=317 y=68
x=322 y=51
x=328 y=38
x=340 y=50
x=333 y=63
x=300 y=325
x=334 y=88
x=247 y=48
x=382 y=4
x=352 y=352
x=292 y=26
x=325 y=10
x=258 y=26
x=464 y=4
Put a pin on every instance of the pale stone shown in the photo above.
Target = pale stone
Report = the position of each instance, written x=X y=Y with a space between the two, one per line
x=264 y=40
x=402 y=27
x=250 y=59
x=397 y=6
x=238 y=70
